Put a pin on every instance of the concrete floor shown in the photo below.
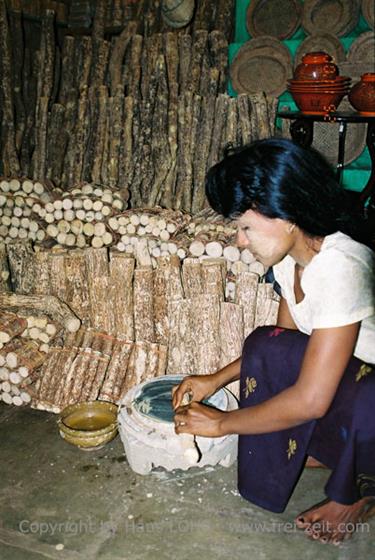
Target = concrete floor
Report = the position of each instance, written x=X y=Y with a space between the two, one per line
x=62 y=503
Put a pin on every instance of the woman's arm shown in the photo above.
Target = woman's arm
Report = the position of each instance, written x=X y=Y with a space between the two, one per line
x=327 y=355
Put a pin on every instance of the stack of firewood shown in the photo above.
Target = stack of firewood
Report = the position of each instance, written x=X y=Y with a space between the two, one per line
x=93 y=365
x=176 y=317
x=143 y=113
x=19 y=359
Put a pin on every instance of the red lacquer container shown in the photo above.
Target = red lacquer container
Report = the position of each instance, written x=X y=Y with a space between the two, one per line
x=362 y=95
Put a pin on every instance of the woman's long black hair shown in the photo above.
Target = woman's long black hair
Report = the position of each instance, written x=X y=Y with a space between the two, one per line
x=281 y=179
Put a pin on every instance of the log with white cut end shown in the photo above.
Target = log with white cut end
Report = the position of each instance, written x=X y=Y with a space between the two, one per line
x=11 y=325
x=214 y=249
x=231 y=253
x=49 y=305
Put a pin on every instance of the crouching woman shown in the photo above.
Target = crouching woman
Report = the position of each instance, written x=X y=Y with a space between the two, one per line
x=307 y=385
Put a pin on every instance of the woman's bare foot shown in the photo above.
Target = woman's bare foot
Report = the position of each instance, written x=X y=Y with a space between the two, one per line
x=331 y=522
x=314 y=463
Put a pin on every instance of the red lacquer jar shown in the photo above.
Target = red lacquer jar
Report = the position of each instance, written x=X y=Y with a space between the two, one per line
x=316 y=66
x=362 y=95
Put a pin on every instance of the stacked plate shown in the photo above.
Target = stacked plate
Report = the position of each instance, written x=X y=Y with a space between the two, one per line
x=316 y=86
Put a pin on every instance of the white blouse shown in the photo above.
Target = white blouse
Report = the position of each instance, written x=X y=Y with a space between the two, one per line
x=339 y=288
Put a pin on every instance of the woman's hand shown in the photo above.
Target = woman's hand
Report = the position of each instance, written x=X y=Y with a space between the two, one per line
x=198 y=387
x=199 y=420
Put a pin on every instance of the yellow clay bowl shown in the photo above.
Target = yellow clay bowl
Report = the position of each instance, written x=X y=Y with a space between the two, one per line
x=90 y=421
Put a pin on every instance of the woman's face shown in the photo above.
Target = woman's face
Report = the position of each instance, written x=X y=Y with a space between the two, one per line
x=269 y=239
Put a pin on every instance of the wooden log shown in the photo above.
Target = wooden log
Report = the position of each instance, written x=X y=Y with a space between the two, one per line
x=49 y=305
x=126 y=149
x=132 y=70
x=231 y=128
x=81 y=132
x=96 y=265
x=83 y=56
x=99 y=20
x=15 y=26
x=29 y=98
x=159 y=143
x=101 y=305
x=66 y=374
x=185 y=164
x=40 y=152
x=213 y=273
x=204 y=320
x=202 y=143
x=218 y=132
x=266 y=305
x=115 y=125
x=106 y=135
x=117 y=372
x=162 y=296
x=57 y=275
x=77 y=293
x=11 y=326
x=28 y=355
x=231 y=332
x=225 y=18
x=50 y=374
x=152 y=48
x=71 y=112
x=48 y=54
x=218 y=47
x=4 y=270
x=162 y=361
x=185 y=50
x=98 y=135
x=42 y=271
x=246 y=296
x=199 y=51
x=260 y=118
x=117 y=56
x=244 y=120
x=68 y=74
x=63 y=396
x=21 y=265
x=121 y=272
x=143 y=305
x=98 y=379
x=170 y=179
x=10 y=158
x=58 y=140
x=100 y=58
x=180 y=350
x=192 y=277
x=82 y=365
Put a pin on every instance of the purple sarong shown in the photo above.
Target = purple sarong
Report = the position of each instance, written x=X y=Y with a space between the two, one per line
x=269 y=465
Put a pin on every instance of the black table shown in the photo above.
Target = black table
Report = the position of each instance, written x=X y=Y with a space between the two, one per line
x=302 y=132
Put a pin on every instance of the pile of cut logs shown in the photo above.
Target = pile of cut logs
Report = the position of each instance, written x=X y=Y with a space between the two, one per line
x=90 y=215
x=147 y=114
x=21 y=353
x=171 y=318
